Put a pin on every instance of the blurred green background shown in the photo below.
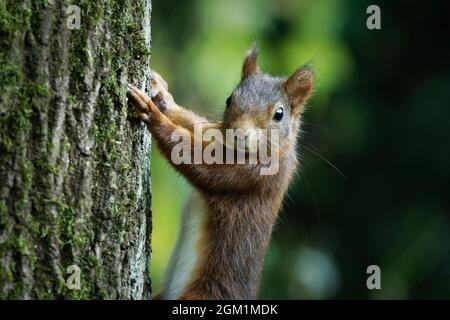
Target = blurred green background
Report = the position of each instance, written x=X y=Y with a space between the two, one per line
x=380 y=114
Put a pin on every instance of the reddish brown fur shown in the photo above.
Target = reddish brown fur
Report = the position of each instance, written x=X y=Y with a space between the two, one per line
x=242 y=205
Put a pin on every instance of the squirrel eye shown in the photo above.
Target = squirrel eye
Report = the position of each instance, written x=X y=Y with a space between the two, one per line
x=278 y=114
x=228 y=102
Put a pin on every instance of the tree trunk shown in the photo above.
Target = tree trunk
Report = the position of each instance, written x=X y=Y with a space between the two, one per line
x=75 y=195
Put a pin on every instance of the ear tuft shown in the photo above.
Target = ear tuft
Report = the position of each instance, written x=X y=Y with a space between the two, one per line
x=299 y=87
x=250 y=63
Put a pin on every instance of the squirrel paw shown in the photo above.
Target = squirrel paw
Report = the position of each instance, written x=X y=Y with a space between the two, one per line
x=159 y=92
x=145 y=106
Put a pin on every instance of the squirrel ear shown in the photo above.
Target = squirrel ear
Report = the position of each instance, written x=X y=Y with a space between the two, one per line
x=250 y=63
x=299 y=88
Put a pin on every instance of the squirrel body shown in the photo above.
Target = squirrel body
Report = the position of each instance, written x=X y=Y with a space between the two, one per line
x=227 y=222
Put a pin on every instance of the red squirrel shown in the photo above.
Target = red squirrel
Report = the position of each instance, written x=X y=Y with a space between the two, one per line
x=227 y=223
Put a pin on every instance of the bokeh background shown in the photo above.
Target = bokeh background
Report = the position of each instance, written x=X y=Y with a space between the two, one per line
x=380 y=115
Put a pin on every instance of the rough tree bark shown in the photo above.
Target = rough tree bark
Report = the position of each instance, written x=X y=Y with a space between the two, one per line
x=74 y=160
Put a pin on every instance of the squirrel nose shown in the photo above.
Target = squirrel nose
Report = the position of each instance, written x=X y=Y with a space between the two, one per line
x=247 y=130
x=249 y=138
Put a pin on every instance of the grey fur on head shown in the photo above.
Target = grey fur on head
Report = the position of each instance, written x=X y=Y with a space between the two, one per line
x=258 y=90
x=259 y=95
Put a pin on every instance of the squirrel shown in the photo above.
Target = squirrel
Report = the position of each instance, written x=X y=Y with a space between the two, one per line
x=227 y=223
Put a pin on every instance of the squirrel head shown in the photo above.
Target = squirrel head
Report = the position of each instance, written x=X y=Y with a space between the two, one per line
x=262 y=101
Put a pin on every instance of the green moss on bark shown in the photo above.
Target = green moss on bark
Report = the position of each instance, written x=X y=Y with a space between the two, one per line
x=69 y=152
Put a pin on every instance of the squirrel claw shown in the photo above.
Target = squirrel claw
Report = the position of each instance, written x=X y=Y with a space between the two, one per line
x=134 y=97
x=130 y=88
